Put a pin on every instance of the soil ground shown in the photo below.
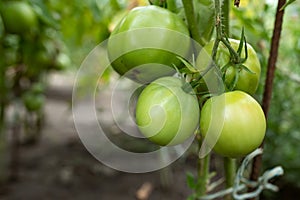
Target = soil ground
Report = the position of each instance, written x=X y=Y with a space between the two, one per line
x=59 y=166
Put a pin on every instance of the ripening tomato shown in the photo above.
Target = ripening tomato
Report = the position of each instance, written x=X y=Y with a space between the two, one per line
x=145 y=44
x=165 y=113
x=238 y=119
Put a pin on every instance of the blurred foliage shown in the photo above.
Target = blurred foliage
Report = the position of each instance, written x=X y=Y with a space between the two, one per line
x=283 y=135
x=81 y=25
x=85 y=24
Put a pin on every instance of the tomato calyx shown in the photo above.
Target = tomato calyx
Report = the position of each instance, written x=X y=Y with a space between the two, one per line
x=236 y=60
x=187 y=74
x=160 y=3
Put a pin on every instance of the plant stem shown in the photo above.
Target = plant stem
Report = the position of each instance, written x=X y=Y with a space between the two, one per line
x=229 y=163
x=15 y=153
x=230 y=172
x=220 y=32
x=3 y=102
x=218 y=10
x=203 y=164
x=257 y=162
x=192 y=22
x=225 y=16
x=171 y=5
x=203 y=174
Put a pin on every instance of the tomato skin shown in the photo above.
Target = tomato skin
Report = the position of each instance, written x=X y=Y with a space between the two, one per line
x=150 y=34
x=18 y=17
x=244 y=123
x=166 y=114
x=247 y=82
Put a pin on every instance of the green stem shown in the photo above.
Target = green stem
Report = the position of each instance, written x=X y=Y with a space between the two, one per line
x=225 y=16
x=192 y=22
x=233 y=53
x=171 y=5
x=229 y=163
x=218 y=16
x=220 y=33
x=203 y=175
x=230 y=171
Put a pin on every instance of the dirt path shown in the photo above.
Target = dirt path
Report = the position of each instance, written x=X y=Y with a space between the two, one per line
x=59 y=167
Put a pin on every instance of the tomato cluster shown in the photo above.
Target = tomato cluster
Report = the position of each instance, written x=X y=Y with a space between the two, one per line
x=170 y=108
x=30 y=51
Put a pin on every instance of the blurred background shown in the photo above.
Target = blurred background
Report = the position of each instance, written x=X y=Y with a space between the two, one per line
x=41 y=154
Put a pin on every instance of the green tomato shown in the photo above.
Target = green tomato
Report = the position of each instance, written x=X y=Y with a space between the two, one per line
x=18 y=17
x=43 y=59
x=247 y=82
x=37 y=88
x=145 y=44
x=165 y=113
x=37 y=62
x=244 y=124
x=33 y=102
x=62 y=61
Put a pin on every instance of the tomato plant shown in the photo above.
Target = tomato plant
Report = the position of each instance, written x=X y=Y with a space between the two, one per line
x=244 y=123
x=165 y=113
x=247 y=80
x=18 y=17
x=135 y=42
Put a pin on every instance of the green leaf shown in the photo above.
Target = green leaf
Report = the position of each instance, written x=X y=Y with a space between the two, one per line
x=190 y=68
x=190 y=179
x=241 y=44
x=43 y=13
x=236 y=78
x=246 y=51
x=243 y=67
x=224 y=70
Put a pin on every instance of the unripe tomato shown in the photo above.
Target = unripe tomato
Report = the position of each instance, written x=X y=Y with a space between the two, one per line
x=150 y=36
x=247 y=82
x=165 y=113
x=37 y=88
x=62 y=61
x=18 y=17
x=43 y=59
x=33 y=102
x=244 y=123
